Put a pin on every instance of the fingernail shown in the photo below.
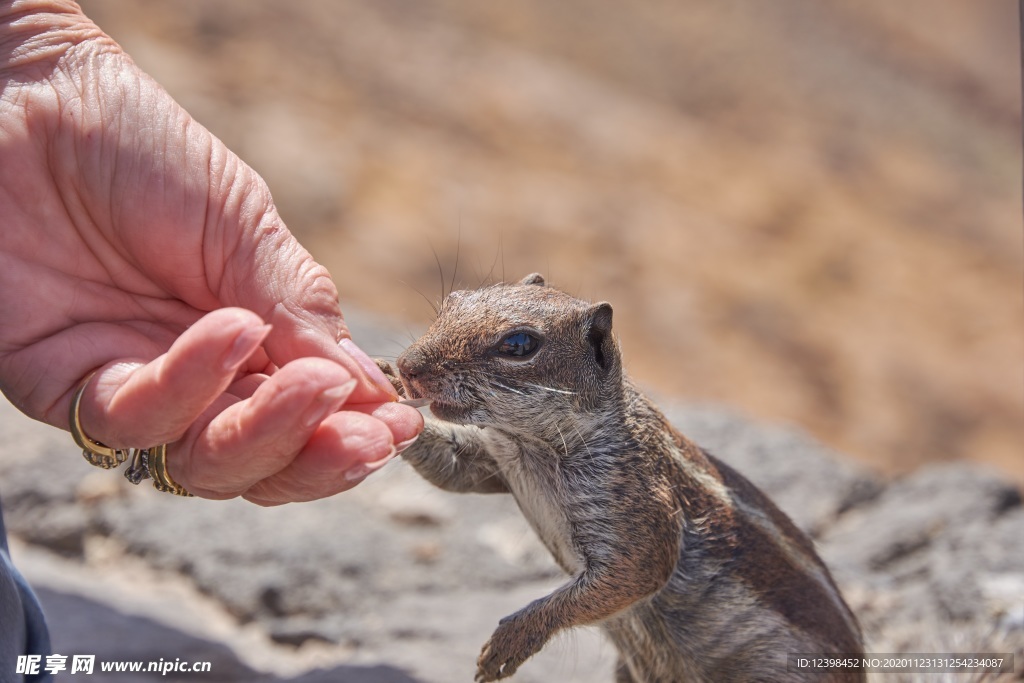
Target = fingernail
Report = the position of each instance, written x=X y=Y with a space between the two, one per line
x=399 y=447
x=327 y=402
x=363 y=470
x=244 y=345
x=374 y=373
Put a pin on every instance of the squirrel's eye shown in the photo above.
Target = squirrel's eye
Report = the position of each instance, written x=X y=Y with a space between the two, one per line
x=519 y=345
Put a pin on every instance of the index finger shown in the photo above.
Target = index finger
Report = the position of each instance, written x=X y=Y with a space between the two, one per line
x=296 y=295
x=305 y=336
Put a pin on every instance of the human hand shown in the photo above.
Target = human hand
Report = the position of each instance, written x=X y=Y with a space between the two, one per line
x=136 y=243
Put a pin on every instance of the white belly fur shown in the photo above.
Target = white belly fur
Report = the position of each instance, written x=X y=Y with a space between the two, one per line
x=543 y=512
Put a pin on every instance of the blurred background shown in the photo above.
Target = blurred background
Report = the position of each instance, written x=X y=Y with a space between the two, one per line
x=808 y=211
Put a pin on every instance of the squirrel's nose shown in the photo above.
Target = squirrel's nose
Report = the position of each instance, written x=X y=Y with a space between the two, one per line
x=411 y=363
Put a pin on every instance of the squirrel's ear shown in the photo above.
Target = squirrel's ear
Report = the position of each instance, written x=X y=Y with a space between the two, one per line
x=599 y=333
x=533 y=279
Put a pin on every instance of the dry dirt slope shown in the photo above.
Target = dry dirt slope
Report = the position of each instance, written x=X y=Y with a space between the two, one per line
x=810 y=211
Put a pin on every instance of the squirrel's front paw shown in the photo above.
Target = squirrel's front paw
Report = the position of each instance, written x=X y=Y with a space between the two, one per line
x=389 y=371
x=517 y=638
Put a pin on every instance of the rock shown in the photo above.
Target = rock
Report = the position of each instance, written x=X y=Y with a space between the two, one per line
x=62 y=529
x=976 y=571
x=414 y=506
x=299 y=631
x=98 y=486
x=933 y=552
x=941 y=503
x=427 y=552
x=41 y=506
x=27 y=483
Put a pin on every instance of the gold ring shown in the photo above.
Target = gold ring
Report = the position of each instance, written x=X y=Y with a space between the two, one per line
x=156 y=462
x=96 y=453
x=146 y=462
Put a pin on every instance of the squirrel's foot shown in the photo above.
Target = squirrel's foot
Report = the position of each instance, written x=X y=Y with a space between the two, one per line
x=517 y=638
x=389 y=371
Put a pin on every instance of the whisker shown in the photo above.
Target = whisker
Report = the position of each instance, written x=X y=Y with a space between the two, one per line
x=551 y=389
x=429 y=302
x=583 y=441
x=564 y=444
x=506 y=387
x=412 y=337
x=399 y=342
x=440 y=269
x=458 y=249
x=492 y=377
x=497 y=253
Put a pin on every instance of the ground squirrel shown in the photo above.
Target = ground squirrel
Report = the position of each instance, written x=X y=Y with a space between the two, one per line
x=693 y=573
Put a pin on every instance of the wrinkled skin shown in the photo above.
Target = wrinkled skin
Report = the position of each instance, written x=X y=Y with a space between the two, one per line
x=135 y=244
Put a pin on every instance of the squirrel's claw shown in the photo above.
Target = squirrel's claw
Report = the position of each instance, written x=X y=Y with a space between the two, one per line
x=514 y=641
x=389 y=371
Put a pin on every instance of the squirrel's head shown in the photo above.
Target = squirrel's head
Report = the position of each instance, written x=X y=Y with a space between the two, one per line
x=514 y=356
